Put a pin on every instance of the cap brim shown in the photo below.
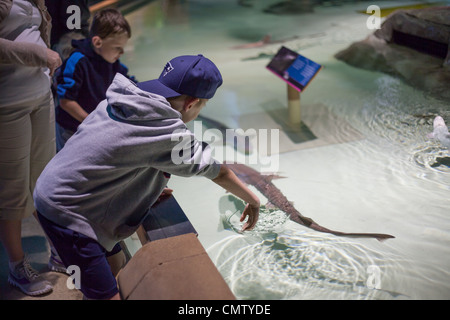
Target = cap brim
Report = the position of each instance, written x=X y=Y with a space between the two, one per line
x=155 y=86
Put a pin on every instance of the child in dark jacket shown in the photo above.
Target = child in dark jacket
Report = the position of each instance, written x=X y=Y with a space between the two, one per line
x=86 y=75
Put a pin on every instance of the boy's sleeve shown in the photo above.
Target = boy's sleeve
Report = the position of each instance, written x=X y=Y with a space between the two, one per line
x=186 y=156
x=70 y=78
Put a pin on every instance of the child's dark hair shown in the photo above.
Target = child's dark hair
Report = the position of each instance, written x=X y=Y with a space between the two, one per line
x=107 y=22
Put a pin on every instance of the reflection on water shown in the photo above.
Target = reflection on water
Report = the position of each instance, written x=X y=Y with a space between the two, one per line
x=433 y=158
x=401 y=116
x=278 y=262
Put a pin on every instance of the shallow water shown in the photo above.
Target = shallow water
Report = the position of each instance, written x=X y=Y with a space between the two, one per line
x=394 y=180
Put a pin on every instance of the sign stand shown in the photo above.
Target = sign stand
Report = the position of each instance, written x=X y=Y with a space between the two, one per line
x=294 y=108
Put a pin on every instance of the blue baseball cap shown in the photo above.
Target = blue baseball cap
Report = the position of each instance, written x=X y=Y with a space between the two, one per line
x=195 y=76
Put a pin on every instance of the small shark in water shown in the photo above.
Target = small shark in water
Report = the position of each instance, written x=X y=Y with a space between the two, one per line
x=440 y=132
x=263 y=183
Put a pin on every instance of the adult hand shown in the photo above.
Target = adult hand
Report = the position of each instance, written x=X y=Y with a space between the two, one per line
x=252 y=211
x=53 y=61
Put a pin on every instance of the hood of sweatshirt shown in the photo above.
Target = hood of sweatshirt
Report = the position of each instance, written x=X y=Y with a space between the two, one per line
x=128 y=103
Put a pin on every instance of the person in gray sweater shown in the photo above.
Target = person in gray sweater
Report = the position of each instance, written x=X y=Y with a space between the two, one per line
x=98 y=189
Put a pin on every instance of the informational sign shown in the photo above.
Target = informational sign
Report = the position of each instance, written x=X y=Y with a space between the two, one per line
x=293 y=68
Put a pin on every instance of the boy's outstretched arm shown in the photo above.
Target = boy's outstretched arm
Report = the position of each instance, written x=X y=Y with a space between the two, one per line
x=230 y=182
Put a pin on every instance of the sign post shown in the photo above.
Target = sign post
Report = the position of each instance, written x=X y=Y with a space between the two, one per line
x=294 y=108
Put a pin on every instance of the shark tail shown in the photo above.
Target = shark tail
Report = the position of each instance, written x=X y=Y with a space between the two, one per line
x=378 y=236
x=308 y=222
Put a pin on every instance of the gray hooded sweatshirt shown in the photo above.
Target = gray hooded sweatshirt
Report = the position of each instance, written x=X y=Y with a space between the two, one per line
x=115 y=167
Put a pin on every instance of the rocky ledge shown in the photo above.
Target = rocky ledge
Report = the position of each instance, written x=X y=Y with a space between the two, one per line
x=411 y=44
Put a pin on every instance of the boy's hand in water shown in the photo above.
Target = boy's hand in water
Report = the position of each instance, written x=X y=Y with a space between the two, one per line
x=230 y=182
x=252 y=211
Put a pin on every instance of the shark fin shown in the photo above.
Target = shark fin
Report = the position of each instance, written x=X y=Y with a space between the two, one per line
x=271 y=206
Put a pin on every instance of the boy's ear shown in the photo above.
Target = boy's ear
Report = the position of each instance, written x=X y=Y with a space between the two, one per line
x=190 y=102
x=96 y=41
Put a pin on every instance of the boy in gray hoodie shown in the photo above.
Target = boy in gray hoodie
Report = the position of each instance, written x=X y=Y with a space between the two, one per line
x=97 y=190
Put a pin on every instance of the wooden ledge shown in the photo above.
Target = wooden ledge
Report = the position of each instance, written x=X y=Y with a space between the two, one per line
x=174 y=268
